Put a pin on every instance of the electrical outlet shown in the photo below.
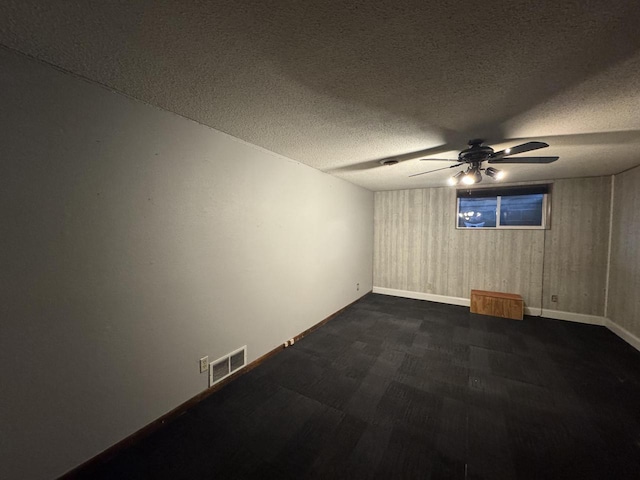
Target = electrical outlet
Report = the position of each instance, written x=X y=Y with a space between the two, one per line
x=554 y=298
x=357 y=287
x=204 y=364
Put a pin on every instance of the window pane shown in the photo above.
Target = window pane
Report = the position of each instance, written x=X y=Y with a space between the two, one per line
x=521 y=210
x=477 y=212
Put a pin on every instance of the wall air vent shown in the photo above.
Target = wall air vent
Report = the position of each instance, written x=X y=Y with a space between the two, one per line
x=225 y=366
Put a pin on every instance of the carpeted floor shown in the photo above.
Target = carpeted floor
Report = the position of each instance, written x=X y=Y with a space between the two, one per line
x=406 y=389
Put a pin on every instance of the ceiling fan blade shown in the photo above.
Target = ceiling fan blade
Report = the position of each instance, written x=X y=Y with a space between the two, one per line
x=524 y=160
x=436 y=170
x=525 y=147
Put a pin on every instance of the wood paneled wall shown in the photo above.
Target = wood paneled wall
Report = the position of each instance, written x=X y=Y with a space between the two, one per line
x=624 y=285
x=576 y=246
x=418 y=248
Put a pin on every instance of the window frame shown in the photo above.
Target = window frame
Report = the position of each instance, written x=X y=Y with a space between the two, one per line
x=506 y=191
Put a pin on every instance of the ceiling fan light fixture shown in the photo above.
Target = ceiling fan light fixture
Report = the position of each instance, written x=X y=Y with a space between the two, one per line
x=469 y=179
x=455 y=179
x=495 y=173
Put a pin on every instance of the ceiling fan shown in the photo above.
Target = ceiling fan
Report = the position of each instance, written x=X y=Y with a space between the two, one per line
x=477 y=153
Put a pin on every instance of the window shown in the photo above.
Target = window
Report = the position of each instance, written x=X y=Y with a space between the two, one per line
x=506 y=207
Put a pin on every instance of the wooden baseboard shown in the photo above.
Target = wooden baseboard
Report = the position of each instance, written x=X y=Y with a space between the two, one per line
x=147 y=430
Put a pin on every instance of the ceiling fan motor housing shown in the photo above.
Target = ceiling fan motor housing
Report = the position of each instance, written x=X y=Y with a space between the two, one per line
x=476 y=152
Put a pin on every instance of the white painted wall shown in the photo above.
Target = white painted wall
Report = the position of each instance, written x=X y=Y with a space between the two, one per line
x=135 y=241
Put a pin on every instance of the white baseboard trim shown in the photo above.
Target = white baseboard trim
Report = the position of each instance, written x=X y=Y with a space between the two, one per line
x=623 y=333
x=573 y=317
x=533 y=311
x=465 y=302
x=627 y=336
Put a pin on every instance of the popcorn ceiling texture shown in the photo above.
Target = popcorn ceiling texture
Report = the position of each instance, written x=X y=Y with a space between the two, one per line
x=340 y=85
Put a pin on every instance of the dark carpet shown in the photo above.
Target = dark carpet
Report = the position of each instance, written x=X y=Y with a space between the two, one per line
x=407 y=389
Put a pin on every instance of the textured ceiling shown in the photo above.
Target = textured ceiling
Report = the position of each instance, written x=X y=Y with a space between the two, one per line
x=338 y=85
